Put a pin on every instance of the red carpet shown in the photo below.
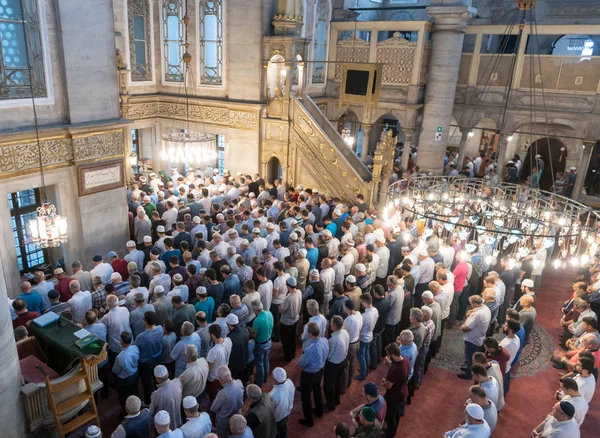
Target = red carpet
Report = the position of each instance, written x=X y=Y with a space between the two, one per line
x=439 y=405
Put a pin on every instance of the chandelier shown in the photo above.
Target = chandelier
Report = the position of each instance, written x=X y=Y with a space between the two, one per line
x=504 y=220
x=189 y=147
x=347 y=137
x=48 y=229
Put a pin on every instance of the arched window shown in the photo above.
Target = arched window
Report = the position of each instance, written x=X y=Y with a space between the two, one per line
x=173 y=35
x=210 y=20
x=140 y=47
x=16 y=40
x=320 y=37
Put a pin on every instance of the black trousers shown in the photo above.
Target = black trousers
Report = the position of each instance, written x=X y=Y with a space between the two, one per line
x=282 y=428
x=387 y=337
x=375 y=351
x=419 y=289
x=332 y=383
x=275 y=312
x=392 y=417
x=146 y=371
x=126 y=387
x=288 y=340
x=350 y=362
x=310 y=384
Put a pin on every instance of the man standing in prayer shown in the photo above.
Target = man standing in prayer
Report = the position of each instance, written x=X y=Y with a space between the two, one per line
x=167 y=397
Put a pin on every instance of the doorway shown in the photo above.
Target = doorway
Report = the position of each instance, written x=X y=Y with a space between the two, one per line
x=274 y=170
x=552 y=151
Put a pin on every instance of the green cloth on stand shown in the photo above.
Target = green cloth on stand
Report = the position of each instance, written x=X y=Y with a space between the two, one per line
x=59 y=344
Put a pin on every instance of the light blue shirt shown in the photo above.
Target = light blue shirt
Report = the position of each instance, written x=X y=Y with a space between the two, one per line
x=136 y=319
x=178 y=352
x=282 y=398
x=229 y=400
x=410 y=352
x=338 y=346
x=149 y=342
x=126 y=363
x=43 y=288
x=136 y=256
x=314 y=356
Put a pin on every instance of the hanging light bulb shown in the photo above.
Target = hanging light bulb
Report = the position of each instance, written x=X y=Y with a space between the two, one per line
x=556 y=263
x=49 y=229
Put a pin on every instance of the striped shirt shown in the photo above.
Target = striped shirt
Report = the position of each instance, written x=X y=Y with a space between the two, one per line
x=338 y=346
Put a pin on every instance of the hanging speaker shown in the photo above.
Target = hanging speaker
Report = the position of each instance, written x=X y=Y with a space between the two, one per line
x=361 y=84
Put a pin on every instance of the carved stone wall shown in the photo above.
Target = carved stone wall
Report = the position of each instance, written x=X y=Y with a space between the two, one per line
x=64 y=150
x=353 y=49
x=210 y=115
x=397 y=56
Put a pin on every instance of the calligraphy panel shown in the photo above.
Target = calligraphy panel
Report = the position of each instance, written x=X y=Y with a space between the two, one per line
x=94 y=178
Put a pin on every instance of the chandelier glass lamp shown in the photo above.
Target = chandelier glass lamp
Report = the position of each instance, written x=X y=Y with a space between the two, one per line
x=347 y=137
x=507 y=220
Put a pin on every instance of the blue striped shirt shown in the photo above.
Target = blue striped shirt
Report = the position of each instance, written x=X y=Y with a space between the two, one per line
x=338 y=346
x=314 y=356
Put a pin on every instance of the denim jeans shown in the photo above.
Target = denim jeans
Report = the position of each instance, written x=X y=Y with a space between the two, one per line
x=261 y=355
x=470 y=349
x=364 y=358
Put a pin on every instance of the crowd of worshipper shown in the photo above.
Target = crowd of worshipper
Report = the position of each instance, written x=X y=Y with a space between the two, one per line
x=219 y=267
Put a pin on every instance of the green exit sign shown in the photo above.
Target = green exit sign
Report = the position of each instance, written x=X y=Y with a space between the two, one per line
x=439 y=129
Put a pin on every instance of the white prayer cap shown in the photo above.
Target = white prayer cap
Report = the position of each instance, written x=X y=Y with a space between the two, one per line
x=133 y=404
x=427 y=294
x=422 y=253
x=300 y=188
x=232 y=319
x=161 y=371
x=538 y=156
x=251 y=195
x=200 y=290
x=294 y=222
x=131 y=244
x=162 y=418
x=270 y=226
x=217 y=235
x=302 y=252
x=160 y=229
x=360 y=267
x=232 y=231
x=314 y=273
x=196 y=219
x=381 y=239
x=511 y=162
x=572 y=168
x=351 y=279
x=189 y=402
x=220 y=216
x=178 y=277
x=350 y=242
x=245 y=242
x=327 y=233
x=147 y=239
x=159 y=289
x=115 y=276
x=256 y=230
x=293 y=236
x=215 y=170
x=238 y=173
x=475 y=411
x=146 y=198
x=202 y=271
x=279 y=374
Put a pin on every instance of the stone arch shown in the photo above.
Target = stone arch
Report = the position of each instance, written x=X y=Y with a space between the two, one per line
x=274 y=169
x=379 y=125
x=553 y=152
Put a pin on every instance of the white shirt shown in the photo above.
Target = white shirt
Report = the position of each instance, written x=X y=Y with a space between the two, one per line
x=321 y=321
x=131 y=297
x=581 y=407
x=512 y=345
x=586 y=385
x=353 y=324
x=193 y=379
x=197 y=427
x=282 y=398
x=327 y=276
x=348 y=262
x=221 y=249
x=447 y=253
x=560 y=429
x=478 y=322
x=470 y=431
x=265 y=290
x=384 y=260
x=369 y=318
x=182 y=290
x=218 y=356
x=116 y=321
x=539 y=262
x=103 y=270
x=280 y=289
x=80 y=303
x=448 y=294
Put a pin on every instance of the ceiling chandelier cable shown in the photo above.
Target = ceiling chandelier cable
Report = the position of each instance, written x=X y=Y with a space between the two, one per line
x=185 y=146
x=48 y=229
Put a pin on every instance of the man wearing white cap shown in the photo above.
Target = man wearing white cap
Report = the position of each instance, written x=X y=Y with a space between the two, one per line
x=271 y=236
x=426 y=268
x=282 y=399
x=228 y=402
x=137 y=422
x=239 y=337
x=162 y=423
x=383 y=252
x=167 y=396
x=198 y=423
x=134 y=255
x=475 y=426
x=258 y=243
x=303 y=267
x=333 y=244
x=160 y=243
x=290 y=311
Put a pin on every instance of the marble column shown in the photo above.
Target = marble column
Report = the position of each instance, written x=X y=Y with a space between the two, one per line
x=12 y=415
x=446 y=49
x=408 y=134
x=365 y=146
x=462 y=147
x=582 y=168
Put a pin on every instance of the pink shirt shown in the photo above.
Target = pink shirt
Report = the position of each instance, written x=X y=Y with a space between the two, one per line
x=460 y=275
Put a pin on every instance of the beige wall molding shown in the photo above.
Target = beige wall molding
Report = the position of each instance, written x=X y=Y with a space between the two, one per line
x=209 y=115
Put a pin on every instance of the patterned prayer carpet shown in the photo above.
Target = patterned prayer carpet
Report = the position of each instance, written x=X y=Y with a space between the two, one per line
x=534 y=358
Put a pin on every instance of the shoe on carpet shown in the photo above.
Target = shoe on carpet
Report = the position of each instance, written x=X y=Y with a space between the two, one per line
x=357 y=377
x=558 y=365
x=305 y=422
x=463 y=376
x=318 y=414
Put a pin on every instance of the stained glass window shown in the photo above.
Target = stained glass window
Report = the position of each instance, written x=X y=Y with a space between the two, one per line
x=20 y=34
x=173 y=39
x=140 y=49
x=320 y=37
x=211 y=41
